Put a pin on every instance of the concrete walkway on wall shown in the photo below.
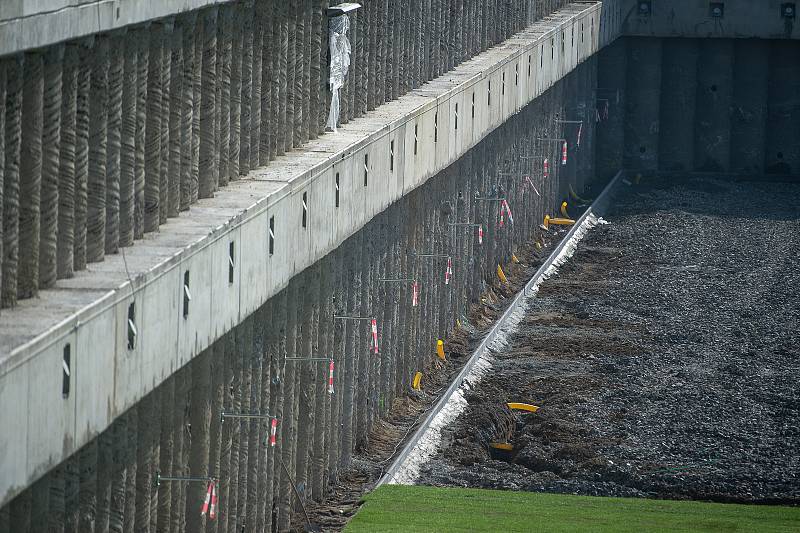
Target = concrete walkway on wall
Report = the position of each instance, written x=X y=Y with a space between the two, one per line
x=125 y=325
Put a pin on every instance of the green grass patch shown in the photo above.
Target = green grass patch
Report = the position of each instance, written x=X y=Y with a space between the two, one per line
x=422 y=509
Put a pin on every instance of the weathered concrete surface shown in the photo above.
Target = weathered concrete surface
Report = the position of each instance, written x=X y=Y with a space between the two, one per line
x=176 y=428
x=192 y=254
x=715 y=105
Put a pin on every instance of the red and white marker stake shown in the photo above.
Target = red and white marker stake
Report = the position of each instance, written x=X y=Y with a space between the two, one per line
x=564 y=153
x=330 y=378
x=207 y=500
x=273 y=432
x=480 y=234
x=448 y=272
x=212 y=512
x=374 y=336
x=414 y=294
x=502 y=221
x=580 y=131
x=546 y=168
x=507 y=209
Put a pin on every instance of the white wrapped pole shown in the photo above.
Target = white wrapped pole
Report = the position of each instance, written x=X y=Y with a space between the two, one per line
x=340 y=64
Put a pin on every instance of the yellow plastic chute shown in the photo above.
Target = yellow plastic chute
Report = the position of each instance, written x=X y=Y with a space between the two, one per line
x=501 y=274
x=417 y=380
x=440 y=349
x=522 y=407
x=564 y=210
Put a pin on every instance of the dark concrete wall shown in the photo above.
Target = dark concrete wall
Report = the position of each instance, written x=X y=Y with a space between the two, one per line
x=705 y=105
x=108 y=485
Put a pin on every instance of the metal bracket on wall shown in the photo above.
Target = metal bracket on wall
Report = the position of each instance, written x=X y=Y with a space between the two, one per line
x=159 y=478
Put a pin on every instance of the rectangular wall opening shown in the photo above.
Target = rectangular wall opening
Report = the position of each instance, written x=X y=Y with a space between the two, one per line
x=336 y=197
x=231 y=249
x=305 y=210
x=187 y=296
x=132 y=331
x=272 y=225
x=66 y=367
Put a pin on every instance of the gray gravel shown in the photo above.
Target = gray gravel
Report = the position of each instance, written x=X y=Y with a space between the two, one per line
x=665 y=357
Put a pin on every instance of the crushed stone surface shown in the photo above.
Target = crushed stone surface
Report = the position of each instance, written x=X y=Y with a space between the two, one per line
x=665 y=357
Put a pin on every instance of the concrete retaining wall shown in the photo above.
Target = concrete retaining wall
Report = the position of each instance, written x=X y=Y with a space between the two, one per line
x=715 y=105
x=176 y=428
x=397 y=148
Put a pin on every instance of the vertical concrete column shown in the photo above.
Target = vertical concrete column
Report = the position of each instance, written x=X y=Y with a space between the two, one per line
x=352 y=281
x=82 y=129
x=166 y=450
x=66 y=163
x=400 y=378
x=352 y=81
x=254 y=357
x=98 y=143
x=143 y=68
x=642 y=104
x=258 y=482
x=173 y=157
x=783 y=121
x=116 y=66
x=300 y=55
x=291 y=70
x=119 y=438
x=235 y=151
x=105 y=469
x=51 y=136
x=387 y=293
x=154 y=418
x=152 y=193
x=287 y=425
x=188 y=178
x=272 y=54
x=381 y=50
x=370 y=64
x=340 y=356
x=166 y=82
x=30 y=175
x=308 y=58
x=678 y=96
x=361 y=331
x=713 y=117
x=306 y=386
x=228 y=473
x=322 y=348
x=224 y=58
x=200 y=422
x=749 y=105
x=208 y=176
x=244 y=347
x=40 y=502
x=197 y=102
x=274 y=319
x=87 y=487
x=267 y=15
x=256 y=88
x=282 y=36
x=131 y=472
x=390 y=50
x=127 y=163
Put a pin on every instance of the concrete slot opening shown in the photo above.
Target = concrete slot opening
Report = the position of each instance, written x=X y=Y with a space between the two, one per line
x=456 y=117
x=436 y=127
x=516 y=74
x=187 y=296
x=503 y=85
x=305 y=210
x=529 y=65
x=366 y=169
x=416 y=130
x=66 y=363
x=272 y=221
x=132 y=331
x=231 y=248
x=391 y=157
x=489 y=94
x=335 y=201
x=473 y=105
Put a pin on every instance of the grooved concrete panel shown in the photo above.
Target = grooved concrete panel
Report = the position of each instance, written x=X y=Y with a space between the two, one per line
x=95 y=302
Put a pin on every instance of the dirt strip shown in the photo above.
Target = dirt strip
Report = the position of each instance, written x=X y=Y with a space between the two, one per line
x=665 y=357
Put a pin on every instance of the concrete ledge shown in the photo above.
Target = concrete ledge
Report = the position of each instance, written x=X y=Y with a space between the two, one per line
x=26 y=24
x=224 y=249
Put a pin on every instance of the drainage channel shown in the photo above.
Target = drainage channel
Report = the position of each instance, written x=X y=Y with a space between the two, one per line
x=424 y=441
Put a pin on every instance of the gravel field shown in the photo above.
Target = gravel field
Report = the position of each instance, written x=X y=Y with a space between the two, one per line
x=665 y=356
